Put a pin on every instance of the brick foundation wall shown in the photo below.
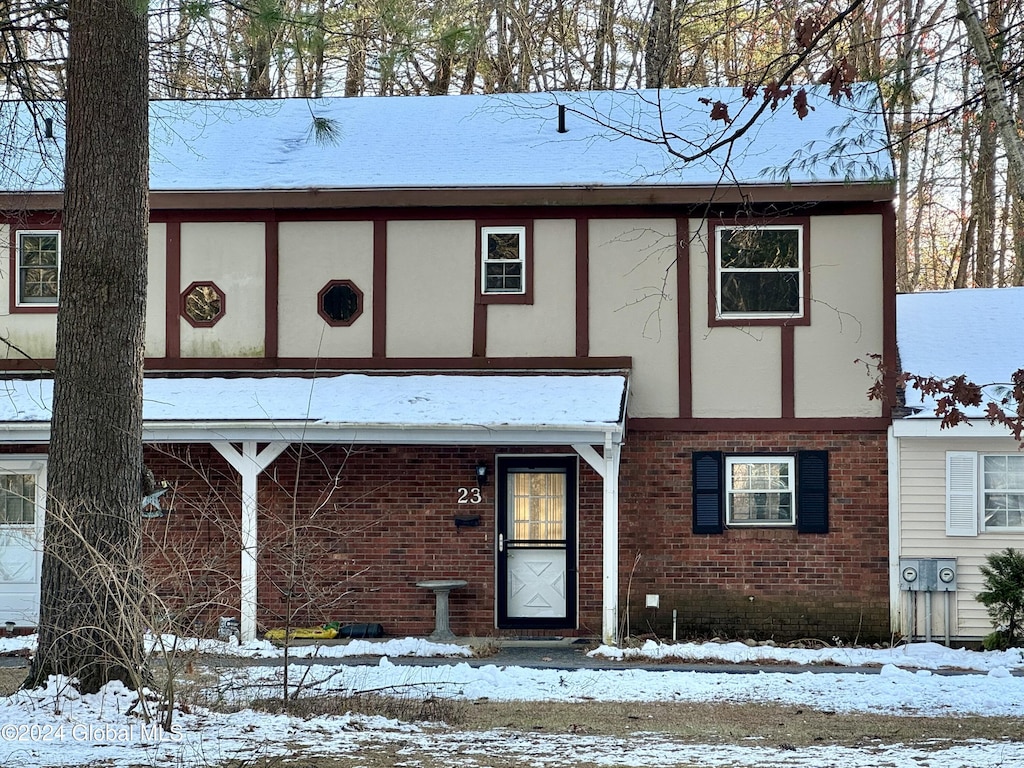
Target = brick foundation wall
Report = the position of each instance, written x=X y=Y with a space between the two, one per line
x=349 y=538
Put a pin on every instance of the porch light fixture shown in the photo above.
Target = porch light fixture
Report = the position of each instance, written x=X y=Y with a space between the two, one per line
x=481 y=473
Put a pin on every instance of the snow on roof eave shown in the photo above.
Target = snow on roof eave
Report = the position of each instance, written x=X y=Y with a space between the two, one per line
x=928 y=425
x=325 y=432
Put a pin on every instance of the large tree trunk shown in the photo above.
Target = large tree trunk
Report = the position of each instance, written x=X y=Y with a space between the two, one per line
x=92 y=593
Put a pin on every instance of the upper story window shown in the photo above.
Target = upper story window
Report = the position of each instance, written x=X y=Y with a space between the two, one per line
x=760 y=273
x=202 y=304
x=1002 y=491
x=37 y=267
x=340 y=302
x=503 y=250
x=760 y=490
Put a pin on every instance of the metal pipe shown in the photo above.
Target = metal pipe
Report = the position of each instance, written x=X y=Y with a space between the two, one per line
x=928 y=617
x=947 y=618
x=674 y=614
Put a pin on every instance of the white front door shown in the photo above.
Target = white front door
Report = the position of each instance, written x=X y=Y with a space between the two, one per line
x=537 y=542
x=22 y=501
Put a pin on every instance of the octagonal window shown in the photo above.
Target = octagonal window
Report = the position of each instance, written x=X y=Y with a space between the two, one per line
x=340 y=302
x=202 y=304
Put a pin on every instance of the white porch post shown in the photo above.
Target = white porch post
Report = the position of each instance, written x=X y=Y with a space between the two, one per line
x=608 y=467
x=249 y=463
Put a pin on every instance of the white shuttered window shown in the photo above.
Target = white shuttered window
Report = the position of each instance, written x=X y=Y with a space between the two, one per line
x=961 y=493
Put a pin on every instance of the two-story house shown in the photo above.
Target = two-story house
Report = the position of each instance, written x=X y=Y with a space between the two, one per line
x=526 y=341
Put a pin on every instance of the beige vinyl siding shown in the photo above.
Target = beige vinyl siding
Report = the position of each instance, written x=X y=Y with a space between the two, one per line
x=922 y=526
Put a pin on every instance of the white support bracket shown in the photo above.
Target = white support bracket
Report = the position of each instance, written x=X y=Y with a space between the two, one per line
x=607 y=466
x=249 y=463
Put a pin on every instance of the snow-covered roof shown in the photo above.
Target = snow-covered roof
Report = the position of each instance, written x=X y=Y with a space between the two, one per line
x=613 y=138
x=975 y=332
x=357 y=407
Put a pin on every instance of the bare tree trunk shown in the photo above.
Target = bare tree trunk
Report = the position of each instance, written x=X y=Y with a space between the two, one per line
x=657 y=54
x=995 y=90
x=91 y=590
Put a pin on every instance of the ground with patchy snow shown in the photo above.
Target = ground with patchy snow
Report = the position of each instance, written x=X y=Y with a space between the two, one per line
x=55 y=726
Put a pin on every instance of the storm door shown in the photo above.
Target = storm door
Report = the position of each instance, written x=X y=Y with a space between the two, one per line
x=21 y=507
x=536 y=537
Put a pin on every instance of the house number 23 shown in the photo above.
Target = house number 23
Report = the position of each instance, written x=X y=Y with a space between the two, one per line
x=470 y=496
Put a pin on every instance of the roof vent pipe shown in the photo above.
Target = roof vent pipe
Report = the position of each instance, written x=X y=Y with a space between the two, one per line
x=48 y=127
x=561 y=118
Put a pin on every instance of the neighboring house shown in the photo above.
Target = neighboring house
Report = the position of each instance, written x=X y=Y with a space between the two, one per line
x=483 y=338
x=957 y=493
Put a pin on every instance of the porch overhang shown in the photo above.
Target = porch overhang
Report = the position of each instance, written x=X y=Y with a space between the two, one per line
x=250 y=421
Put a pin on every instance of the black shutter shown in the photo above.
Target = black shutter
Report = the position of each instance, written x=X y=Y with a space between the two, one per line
x=707 y=492
x=812 y=491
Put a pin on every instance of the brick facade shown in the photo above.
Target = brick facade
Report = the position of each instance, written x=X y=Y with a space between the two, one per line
x=345 y=532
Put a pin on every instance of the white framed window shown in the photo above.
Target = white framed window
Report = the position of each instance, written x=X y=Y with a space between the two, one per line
x=503 y=260
x=37 y=268
x=759 y=271
x=760 y=491
x=1002 y=491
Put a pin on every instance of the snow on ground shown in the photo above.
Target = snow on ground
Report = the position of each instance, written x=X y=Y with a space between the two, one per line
x=57 y=727
x=913 y=655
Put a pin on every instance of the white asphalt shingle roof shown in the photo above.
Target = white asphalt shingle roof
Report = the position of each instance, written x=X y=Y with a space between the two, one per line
x=976 y=332
x=614 y=138
x=491 y=401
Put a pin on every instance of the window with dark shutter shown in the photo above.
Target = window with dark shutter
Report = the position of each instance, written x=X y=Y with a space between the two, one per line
x=812 y=491
x=707 y=492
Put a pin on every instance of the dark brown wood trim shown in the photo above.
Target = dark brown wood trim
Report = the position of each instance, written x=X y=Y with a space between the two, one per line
x=582 y=286
x=172 y=331
x=271 y=296
x=479 y=330
x=379 y=289
x=509 y=196
x=530 y=211
x=634 y=197
x=838 y=424
x=298 y=366
x=683 y=318
x=890 y=355
x=526 y=297
x=714 y=321
x=788 y=365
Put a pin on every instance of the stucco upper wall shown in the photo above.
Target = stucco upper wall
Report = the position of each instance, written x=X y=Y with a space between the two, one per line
x=633 y=307
x=314 y=253
x=33 y=333
x=430 y=284
x=233 y=256
x=156 y=298
x=738 y=371
x=847 y=284
x=547 y=326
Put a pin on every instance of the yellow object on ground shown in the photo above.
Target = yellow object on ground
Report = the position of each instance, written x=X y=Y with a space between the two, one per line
x=326 y=632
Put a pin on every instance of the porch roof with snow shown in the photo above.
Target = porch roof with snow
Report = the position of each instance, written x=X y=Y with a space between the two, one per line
x=357 y=408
